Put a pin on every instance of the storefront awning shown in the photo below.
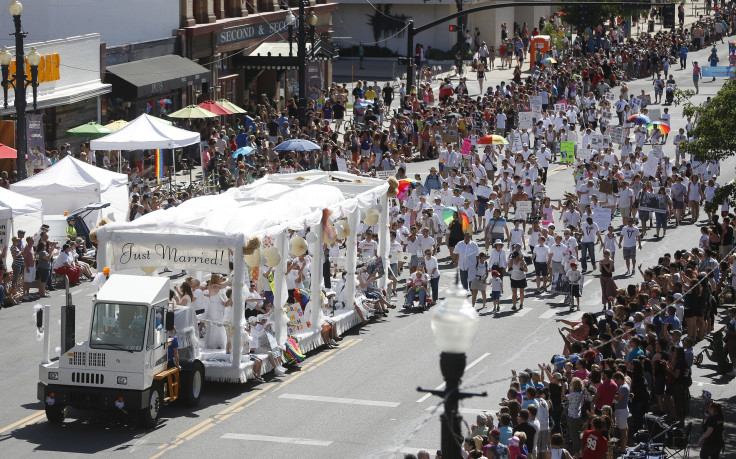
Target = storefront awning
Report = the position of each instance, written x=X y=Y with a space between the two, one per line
x=276 y=55
x=64 y=96
x=148 y=77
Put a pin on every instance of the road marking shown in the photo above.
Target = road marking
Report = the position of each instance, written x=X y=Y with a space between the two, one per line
x=701 y=383
x=588 y=281
x=27 y=420
x=523 y=312
x=556 y=170
x=269 y=438
x=468 y=367
x=344 y=401
x=549 y=314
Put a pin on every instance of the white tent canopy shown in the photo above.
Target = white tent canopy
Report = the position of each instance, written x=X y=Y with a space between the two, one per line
x=145 y=132
x=18 y=212
x=71 y=184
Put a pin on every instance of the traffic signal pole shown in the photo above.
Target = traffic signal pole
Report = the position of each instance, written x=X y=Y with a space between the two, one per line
x=411 y=30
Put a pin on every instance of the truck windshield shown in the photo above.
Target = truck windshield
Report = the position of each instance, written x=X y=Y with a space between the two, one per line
x=118 y=326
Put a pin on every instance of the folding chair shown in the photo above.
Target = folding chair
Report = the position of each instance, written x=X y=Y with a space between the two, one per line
x=678 y=446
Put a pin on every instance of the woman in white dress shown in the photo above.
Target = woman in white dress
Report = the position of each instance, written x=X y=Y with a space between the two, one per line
x=216 y=338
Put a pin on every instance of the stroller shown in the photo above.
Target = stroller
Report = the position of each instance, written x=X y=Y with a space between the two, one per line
x=669 y=94
x=716 y=352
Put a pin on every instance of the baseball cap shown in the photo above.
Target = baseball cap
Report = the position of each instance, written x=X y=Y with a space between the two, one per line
x=609 y=312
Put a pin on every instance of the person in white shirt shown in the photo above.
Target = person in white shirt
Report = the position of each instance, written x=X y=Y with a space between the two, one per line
x=591 y=233
x=431 y=267
x=575 y=278
x=498 y=258
x=466 y=250
x=556 y=256
x=630 y=237
x=412 y=246
x=368 y=248
x=544 y=156
x=541 y=267
x=426 y=242
x=516 y=235
x=571 y=216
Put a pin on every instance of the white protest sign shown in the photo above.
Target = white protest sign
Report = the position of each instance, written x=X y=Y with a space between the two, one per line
x=516 y=144
x=610 y=96
x=560 y=107
x=618 y=135
x=384 y=175
x=176 y=252
x=582 y=154
x=649 y=169
x=525 y=120
x=602 y=217
x=342 y=165
x=536 y=103
x=483 y=191
x=4 y=228
x=607 y=116
x=599 y=141
x=523 y=209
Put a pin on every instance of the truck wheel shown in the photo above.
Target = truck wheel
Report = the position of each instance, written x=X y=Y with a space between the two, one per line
x=56 y=413
x=193 y=384
x=149 y=415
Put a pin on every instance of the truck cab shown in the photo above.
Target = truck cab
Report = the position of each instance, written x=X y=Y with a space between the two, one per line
x=124 y=364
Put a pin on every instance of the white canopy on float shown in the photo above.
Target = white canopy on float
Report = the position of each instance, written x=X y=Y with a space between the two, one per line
x=71 y=184
x=198 y=234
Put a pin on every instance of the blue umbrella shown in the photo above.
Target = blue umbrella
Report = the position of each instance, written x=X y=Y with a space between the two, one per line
x=297 y=145
x=245 y=151
x=364 y=104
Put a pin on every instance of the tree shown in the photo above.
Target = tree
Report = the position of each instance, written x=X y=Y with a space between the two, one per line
x=582 y=16
x=713 y=135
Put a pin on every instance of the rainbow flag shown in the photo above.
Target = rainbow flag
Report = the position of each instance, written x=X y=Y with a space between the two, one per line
x=159 y=165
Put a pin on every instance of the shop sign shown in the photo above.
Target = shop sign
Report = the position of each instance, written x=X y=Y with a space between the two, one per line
x=251 y=31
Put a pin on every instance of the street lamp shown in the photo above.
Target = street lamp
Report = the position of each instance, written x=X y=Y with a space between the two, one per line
x=454 y=325
x=290 y=20
x=19 y=81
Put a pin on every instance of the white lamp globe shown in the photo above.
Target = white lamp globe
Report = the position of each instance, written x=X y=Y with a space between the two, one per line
x=455 y=322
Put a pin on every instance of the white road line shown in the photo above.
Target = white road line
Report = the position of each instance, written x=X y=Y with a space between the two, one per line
x=588 y=281
x=344 y=401
x=269 y=438
x=549 y=314
x=523 y=312
x=467 y=367
x=701 y=383
x=414 y=451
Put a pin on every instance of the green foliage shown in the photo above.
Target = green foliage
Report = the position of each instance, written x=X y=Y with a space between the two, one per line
x=557 y=37
x=595 y=15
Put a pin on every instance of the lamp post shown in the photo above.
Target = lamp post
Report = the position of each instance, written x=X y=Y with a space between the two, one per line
x=20 y=81
x=301 y=51
x=454 y=325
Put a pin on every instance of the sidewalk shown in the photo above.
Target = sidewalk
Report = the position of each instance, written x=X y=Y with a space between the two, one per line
x=381 y=70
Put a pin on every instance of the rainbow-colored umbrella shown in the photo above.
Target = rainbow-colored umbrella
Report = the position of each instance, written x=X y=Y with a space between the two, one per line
x=403 y=190
x=639 y=119
x=663 y=127
x=549 y=60
x=447 y=215
x=493 y=140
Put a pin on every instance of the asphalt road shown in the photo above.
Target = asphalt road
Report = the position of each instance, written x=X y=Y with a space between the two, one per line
x=359 y=400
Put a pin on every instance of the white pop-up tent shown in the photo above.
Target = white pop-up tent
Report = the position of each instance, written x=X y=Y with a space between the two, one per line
x=71 y=184
x=18 y=212
x=146 y=132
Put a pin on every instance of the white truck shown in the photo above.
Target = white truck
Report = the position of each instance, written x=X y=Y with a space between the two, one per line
x=124 y=364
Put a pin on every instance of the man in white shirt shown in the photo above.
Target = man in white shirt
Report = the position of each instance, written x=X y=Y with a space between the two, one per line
x=620 y=109
x=466 y=250
x=367 y=248
x=630 y=237
x=591 y=233
x=426 y=242
x=544 y=156
x=541 y=258
x=557 y=252
x=570 y=242
x=571 y=217
x=412 y=246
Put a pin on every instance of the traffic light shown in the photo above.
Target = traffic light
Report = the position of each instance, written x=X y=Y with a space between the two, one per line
x=453 y=28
